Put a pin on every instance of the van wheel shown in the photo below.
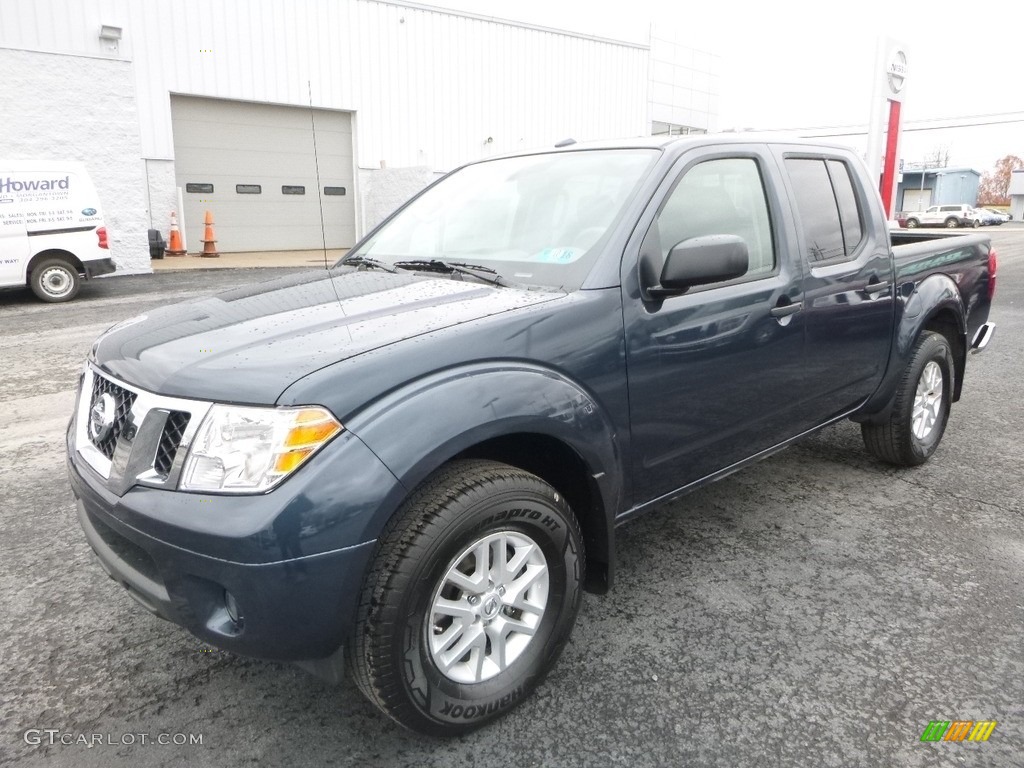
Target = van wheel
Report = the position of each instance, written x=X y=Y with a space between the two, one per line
x=55 y=280
x=921 y=409
x=952 y=223
x=472 y=594
x=911 y=223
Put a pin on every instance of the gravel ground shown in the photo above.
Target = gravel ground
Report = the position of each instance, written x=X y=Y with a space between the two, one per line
x=817 y=609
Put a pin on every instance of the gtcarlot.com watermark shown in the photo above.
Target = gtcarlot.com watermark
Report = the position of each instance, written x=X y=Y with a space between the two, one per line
x=54 y=736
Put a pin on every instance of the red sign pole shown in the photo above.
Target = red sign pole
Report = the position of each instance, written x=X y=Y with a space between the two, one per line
x=889 y=167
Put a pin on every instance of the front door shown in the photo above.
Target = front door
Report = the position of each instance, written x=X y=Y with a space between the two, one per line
x=716 y=374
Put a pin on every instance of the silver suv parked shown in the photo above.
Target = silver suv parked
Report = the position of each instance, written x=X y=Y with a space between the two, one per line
x=951 y=216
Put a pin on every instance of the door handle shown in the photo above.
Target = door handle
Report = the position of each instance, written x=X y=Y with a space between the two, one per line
x=785 y=310
x=872 y=289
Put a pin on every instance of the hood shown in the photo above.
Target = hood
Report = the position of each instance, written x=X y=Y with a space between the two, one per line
x=249 y=345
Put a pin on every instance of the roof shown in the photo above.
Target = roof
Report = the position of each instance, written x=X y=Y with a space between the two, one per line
x=660 y=142
x=940 y=171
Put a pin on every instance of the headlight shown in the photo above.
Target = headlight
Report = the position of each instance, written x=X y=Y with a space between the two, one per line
x=242 y=450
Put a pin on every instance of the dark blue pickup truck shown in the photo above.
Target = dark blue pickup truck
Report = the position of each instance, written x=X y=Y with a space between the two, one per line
x=415 y=462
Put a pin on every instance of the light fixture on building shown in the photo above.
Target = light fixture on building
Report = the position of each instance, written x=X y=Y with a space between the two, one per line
x=110 y=35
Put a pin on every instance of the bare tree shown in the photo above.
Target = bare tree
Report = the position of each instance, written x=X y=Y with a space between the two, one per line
x=995 y=185
x=937 y=158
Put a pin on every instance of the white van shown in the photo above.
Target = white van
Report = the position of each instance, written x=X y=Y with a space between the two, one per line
x=51 y=228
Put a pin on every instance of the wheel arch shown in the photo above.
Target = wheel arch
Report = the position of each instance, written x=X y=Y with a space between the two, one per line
x=934 y=305
x=561 y=467
x=518 y=413
x=945 y=322
x=53 y=253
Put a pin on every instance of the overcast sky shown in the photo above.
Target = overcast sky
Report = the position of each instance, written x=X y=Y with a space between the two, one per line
x=791 y=64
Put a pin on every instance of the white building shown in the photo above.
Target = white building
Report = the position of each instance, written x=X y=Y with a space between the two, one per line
x=264 y=111
x=1016 y=193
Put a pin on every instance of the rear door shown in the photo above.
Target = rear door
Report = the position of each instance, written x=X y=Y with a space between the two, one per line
x=716 y=374
x=848 y=282
x=13 y=242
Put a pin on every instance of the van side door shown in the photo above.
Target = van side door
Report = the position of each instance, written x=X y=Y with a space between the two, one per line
x=14 y=246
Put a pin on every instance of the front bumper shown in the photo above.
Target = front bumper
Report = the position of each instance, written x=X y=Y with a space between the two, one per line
x=293 y=560
x=97 y=267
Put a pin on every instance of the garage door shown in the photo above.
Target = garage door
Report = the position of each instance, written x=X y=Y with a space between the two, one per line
x=253 y=167
x=916 y=199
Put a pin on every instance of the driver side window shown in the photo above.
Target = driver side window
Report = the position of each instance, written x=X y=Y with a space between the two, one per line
x=721 y=197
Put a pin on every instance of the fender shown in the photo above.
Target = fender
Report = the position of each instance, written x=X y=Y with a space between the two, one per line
x=918 y=304
x=417 y=428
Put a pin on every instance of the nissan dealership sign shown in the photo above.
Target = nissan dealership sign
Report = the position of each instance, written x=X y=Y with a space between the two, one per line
x=896 y=72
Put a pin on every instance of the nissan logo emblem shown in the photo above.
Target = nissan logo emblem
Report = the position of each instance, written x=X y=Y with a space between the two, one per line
x=897 y=71
x=101 y=417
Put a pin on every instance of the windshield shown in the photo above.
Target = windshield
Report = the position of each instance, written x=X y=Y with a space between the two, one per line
x=540 y=219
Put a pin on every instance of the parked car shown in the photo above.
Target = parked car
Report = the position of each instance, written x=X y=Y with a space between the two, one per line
x=999 y=216
x=982 y=217
x=51 y=228
x=414 y=464
x=951 y=216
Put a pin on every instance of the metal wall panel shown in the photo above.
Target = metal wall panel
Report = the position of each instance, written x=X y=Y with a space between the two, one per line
x=65 y=26
x=429 y=86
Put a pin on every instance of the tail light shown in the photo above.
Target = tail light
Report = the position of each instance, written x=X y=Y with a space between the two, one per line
x=101 y=233
x=991 y=273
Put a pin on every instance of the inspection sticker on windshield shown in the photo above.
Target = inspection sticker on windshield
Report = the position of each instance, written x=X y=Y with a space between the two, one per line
x=558 y=255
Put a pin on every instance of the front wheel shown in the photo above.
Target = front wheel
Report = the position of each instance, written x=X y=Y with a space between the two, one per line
x=472 y=595
x=977 y=223
x=921 y=408
x=55 y=280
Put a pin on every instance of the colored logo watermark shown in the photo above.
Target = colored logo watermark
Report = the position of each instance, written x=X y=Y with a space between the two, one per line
x=958 y=730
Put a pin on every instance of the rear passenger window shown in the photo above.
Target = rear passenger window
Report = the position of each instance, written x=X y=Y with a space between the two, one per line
x=849 y=211
x=828 y=208
x=721 y=197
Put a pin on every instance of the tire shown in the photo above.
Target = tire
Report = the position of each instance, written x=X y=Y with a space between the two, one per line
x=419 y=603
x=977 y=223
x=952 y=223
x=54 y=280
x=921 y=408
x=912 y=224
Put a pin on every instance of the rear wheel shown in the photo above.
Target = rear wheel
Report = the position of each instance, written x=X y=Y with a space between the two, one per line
x=55 y=280
x=472 y=595
x=952 y=223
x=921 y=408
x=912 y=224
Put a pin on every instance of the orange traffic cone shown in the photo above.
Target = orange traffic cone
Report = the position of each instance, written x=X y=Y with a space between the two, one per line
x=209 y=243
x=174 y=247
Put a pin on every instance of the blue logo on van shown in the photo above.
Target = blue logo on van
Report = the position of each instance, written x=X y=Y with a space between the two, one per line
x=88 y=211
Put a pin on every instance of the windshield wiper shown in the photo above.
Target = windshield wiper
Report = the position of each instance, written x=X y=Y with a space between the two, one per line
x=365 y=262
x=448 y=267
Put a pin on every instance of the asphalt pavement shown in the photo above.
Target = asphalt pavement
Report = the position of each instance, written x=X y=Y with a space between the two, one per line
x=817 y=609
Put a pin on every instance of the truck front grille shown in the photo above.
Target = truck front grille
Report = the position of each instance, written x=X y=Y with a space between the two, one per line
x=174 y=430
x=131 y=436
x=123 y=401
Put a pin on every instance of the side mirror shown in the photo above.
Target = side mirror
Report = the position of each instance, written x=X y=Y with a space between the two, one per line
x=700 y=261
